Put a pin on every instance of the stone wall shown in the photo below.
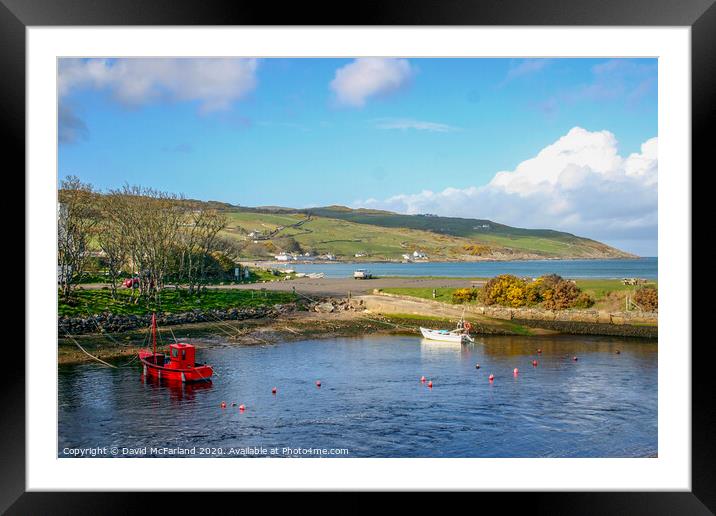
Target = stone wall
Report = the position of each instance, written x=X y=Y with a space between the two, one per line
x=113 y=323
x=571 y=315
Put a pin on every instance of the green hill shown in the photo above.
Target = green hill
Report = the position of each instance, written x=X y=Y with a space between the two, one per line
x=382 y=235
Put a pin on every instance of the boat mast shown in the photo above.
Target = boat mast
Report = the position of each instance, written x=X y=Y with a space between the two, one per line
x=154 y=333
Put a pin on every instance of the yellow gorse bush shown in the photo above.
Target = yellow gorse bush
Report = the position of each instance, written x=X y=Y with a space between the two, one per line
x=550 y=291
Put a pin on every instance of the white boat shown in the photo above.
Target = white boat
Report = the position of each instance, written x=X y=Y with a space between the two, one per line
x=445 y=335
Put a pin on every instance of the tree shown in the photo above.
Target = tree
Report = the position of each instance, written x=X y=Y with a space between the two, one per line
x=111 y=239
x=77 y=217
x=198 y=238
x=290 y=245
x=149 y=221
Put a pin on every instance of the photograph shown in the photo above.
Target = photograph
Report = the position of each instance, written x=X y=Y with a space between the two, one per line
x=357 y=257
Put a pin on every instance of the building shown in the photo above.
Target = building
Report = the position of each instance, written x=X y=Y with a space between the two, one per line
x=419 y=255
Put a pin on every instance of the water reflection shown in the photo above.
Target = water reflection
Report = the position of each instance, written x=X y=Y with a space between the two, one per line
x=177 y=390
x=433 y=347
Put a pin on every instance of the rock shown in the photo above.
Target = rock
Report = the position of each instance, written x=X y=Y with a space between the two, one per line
x=326 y=307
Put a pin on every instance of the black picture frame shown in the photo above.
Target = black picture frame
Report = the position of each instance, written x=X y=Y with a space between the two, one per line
x=700 y=15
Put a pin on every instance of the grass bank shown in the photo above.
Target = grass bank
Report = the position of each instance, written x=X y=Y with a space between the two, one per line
x=97 y=301
x=608 y=294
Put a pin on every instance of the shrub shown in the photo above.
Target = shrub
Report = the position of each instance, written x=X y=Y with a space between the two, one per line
x=464 y=295
x=477 y=250
x=550 y=291
x=584 y=300
x=647 y=298
x=506 y=290
x=563 y=295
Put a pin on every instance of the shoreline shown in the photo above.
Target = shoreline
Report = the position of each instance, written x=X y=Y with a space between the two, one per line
x=273 y=263
x=293 y=326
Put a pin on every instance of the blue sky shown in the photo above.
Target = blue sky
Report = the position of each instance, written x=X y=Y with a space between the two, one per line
x=411 y=135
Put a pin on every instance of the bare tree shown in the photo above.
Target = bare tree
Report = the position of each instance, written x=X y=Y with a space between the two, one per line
x=111 y=238
x=149 y=221
x=77 y=217
x=200 y=230
x=212 y=223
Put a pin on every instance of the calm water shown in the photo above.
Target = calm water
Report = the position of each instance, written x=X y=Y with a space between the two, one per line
x=372 y=403
x=638 y=268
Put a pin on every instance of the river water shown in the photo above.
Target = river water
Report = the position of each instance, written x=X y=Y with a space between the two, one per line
x=372 y=403
x=637 y=268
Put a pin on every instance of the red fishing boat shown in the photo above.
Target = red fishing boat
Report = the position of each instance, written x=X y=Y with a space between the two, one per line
x=178 y=366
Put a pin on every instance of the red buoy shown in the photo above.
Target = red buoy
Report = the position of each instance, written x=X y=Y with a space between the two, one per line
x=223 y=404
x=491 y=377
x=273 y=391
x=534 y=363
x=242 y=408
x=430 y=384
x=539 y=350
x=516 y=371
x=422 y=379
x=318 y=383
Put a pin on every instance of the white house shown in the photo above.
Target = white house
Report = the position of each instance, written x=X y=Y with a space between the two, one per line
x=419 y=255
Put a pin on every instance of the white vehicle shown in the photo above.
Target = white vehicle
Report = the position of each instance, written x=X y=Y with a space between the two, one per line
x=362 y=274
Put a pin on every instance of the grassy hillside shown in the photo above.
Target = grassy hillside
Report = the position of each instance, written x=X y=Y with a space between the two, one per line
x=386 y=236
x=540 y=241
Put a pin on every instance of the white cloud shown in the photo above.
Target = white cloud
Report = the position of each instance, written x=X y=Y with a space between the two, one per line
x=408 y=123
x=368 y=77
x=578 y=184
x=213 y=82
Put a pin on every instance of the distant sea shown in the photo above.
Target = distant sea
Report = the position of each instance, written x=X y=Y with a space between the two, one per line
x=637 y=268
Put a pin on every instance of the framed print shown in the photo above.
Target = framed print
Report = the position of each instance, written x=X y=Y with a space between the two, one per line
x=438 y=249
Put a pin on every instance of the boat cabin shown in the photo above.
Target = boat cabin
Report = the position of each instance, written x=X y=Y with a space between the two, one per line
x=181 y=356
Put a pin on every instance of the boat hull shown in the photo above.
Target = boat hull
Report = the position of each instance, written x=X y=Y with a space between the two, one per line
x=199 y=373
x=444 y=336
